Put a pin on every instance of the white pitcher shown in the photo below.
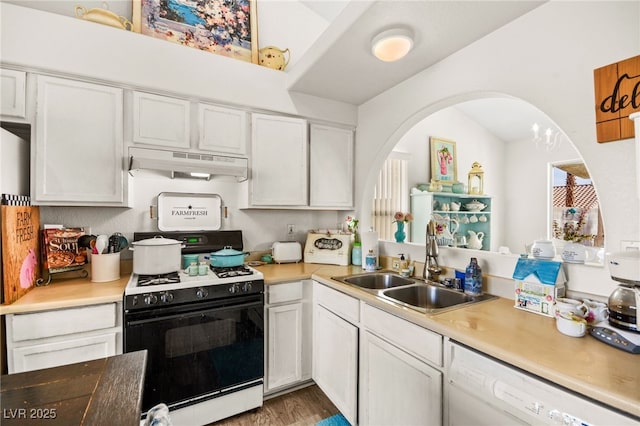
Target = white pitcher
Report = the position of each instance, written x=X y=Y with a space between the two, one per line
x=475 y=240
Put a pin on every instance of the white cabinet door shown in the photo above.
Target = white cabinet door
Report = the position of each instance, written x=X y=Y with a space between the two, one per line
x=330 y=166
x=395 y=387
x=79 y=144
x=284 y=356
x=279 y=151
x=72 y=350
x=161 y=120
x=335 y=360
x=222 y=129
x=13 y=92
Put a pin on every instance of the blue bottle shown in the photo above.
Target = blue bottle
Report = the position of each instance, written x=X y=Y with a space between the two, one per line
x=356 y=253
x=473 y=278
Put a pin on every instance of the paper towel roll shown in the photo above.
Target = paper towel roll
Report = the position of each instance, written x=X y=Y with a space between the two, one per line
x=369 y=242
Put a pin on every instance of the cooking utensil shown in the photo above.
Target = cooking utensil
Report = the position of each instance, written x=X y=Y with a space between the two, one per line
x=227 y=257
x=158 y=255
x=117 y=242
x=102 y=242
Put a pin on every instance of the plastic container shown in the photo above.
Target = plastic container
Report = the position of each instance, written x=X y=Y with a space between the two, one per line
x=370 y=262
x=356 y=253
x=473 y=278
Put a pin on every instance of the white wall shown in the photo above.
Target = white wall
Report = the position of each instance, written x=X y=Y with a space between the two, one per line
x=546 y=58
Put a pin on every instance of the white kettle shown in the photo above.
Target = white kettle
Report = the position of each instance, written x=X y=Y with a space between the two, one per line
x=475 y=240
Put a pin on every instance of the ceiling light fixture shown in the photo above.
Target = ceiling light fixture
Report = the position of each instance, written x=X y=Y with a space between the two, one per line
x=393 y=44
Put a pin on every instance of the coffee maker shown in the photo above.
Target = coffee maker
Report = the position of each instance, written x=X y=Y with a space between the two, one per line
x=623 y=327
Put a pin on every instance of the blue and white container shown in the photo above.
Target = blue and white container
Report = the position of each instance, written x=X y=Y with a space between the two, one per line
x=473 y=278
x=370 y=262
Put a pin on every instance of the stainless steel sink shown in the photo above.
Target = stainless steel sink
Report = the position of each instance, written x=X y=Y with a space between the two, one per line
x=411 y=293
x=375 y=280
x=429 y=298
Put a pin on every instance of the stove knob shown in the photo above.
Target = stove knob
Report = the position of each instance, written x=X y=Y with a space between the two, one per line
x=166 y=297
x=201 y=293
x=234 y=288
x=150 y=299
x=246 y=287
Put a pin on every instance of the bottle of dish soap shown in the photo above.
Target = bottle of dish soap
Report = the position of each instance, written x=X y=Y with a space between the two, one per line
x=473 y=278
x=370 y=262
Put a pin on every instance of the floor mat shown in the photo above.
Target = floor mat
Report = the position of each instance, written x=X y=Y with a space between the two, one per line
x=335 y=420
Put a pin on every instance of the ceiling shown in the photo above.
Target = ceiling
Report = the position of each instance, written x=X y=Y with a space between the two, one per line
x=339 y=65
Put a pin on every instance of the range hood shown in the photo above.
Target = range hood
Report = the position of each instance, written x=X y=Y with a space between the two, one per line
x=188 y=163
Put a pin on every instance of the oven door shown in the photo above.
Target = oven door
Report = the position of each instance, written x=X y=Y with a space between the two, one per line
x=198 y=351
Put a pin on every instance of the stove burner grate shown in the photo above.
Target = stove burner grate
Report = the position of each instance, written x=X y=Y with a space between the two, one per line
x=233 y=271
x=170 y=278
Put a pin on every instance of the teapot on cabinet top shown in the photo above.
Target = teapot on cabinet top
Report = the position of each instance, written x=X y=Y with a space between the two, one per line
x=272 y=57
x=103 y=16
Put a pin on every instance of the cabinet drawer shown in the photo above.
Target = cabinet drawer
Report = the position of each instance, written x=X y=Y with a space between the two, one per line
x=286 y=292
x=413 y=338
x=62 y=321
x=342 y=305
x=36 y=357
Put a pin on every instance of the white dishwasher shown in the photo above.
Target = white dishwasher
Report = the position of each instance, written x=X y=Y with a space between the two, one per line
x=482 y=391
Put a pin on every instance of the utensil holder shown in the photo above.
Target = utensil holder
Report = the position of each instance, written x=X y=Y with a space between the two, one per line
x=105 y=267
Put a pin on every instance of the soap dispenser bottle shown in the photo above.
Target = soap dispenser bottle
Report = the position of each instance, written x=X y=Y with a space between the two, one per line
x=403 y=262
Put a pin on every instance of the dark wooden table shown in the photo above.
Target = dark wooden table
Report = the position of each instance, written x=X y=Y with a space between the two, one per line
x=106 y=391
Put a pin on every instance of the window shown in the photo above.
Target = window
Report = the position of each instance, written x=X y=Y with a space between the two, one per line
x=576 y=211
x=391 y=194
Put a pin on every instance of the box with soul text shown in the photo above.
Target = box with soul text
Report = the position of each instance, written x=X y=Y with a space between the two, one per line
x=538 y=283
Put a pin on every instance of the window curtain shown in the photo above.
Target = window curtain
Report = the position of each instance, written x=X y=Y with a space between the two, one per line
x=391 y=194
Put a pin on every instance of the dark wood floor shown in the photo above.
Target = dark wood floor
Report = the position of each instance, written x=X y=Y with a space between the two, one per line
x=303 y=407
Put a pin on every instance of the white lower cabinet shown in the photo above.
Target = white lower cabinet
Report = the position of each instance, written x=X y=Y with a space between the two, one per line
x=63 y=336
x=288 y=349
x=376 y=368
x=395 y=387
x=335 y=354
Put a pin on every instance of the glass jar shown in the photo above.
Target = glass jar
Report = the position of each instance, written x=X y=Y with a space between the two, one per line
x=356 y=253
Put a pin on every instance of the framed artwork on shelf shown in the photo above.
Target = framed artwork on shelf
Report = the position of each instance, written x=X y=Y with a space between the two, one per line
x=444 y=168
x=224 y=27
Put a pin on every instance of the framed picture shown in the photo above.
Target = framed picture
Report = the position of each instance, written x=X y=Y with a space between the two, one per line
x=443 y=160
x=223 y=27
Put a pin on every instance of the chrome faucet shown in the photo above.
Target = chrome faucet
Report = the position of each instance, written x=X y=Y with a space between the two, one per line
x=432 y=270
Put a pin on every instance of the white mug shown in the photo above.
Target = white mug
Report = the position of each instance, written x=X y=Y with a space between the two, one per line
x=571 y=325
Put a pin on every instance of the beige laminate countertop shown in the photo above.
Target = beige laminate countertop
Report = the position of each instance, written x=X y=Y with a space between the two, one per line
x=67 y=294
x=522 y=339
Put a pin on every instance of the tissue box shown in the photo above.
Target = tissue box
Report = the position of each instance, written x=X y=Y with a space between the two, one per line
x=538 y=283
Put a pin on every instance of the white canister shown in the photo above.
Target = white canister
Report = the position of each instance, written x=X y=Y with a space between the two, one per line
x=543 y=249
x=105 y=267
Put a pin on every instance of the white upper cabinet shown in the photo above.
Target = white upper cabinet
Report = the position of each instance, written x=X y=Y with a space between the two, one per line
x=13 y=93
x=279 y=151
x=330 y=166
x=222 y=129
x=78 y=155
x=161 y=121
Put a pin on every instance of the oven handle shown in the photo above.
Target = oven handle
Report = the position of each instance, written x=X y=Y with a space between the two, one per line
x=190 y=313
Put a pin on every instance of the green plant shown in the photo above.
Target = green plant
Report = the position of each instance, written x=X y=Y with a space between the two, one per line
x=571 y=230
